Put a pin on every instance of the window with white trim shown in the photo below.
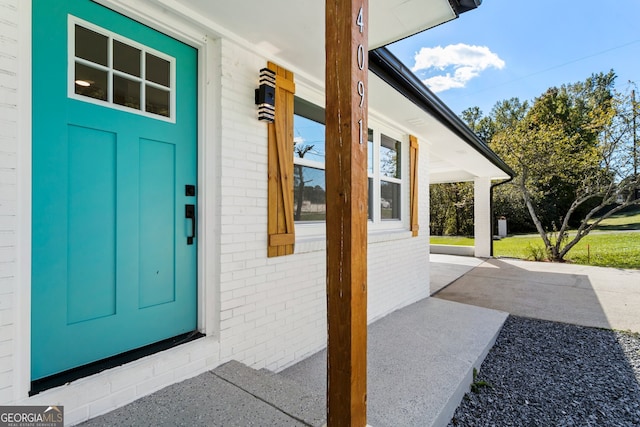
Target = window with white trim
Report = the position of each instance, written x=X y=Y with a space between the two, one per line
x=309 y=191
x=108 y=69
x=387 y=183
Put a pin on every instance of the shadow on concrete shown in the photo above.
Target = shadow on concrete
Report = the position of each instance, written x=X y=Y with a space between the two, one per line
x=582 y=295
x=420 y=362
x=446 y=268
x=589 y=296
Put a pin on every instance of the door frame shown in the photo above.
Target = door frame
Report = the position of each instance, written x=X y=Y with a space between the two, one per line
x=187 y=31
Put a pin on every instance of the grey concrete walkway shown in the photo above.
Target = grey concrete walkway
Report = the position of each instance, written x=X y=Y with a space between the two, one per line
x=583 y=295
x=420 y=358
x=445 y=269
x=420 y=365
x=420 y=362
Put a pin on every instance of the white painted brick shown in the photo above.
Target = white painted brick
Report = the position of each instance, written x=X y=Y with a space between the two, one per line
x=6 y=348
x=154 y=384
x=111 y=402
x=233 y=325
x=191 y=369
x=7 y=160
x=129 y=376
x=6 y=394
x=273 y=310
x=6 y=365
x=79 y=393
x=233 y=303
x=6 y=377
x=7 y=269
x=243 y=292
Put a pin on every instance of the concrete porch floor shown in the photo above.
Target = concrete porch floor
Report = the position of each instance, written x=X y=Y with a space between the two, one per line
x=420 y=365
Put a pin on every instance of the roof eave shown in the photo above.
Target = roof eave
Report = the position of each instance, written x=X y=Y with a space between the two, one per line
x=390 y=69
x=462 y=6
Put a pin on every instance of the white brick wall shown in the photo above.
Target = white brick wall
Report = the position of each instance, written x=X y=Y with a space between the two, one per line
x=8 y=195
x=272 y=310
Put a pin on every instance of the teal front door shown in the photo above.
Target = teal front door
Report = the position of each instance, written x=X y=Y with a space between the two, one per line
x=113 y=197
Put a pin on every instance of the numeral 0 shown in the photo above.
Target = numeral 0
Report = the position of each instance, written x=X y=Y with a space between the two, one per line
x=360 y=57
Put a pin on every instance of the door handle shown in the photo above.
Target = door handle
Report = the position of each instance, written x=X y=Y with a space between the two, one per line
x=190 y=213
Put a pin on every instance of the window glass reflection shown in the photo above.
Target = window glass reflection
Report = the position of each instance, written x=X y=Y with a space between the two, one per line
x=91 y=46
x=370 y=153
x=308 y=139
x=389 y=200
x=370 y=200
x=309 y=195
x=126 y=58
x=126 y=92
x=389 y=157
x=158 y=101
x=158 y=70
x=90 y=82
x=110 y=69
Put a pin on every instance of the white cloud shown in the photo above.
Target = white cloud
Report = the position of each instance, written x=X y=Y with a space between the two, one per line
x=461 y=62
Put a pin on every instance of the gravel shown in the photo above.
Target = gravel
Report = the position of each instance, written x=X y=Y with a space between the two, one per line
x=542 y=373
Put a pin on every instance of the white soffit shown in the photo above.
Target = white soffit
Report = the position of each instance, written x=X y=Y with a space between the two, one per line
x=451 y=158
x=292 y=31
x=392 y=20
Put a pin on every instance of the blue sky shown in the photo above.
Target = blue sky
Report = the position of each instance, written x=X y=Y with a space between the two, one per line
x=520 y=48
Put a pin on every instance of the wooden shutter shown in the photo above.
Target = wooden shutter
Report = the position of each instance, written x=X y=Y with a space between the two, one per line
x=280 y=169
x=413 y=165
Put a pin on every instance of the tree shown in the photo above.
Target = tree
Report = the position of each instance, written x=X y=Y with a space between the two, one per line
x=507 y=200
x=451 y=209
x=572 y=157
x=298 y=179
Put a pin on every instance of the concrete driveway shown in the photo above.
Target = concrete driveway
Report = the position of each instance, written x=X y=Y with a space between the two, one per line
x=582 y=295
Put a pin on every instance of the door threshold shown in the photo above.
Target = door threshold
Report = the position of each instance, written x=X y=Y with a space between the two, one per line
x=62 y=378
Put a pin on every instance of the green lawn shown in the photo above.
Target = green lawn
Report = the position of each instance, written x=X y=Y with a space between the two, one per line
x=607 y=249
x=615 y=249
x=451 y=240
x=612 y=244
x=628 y=219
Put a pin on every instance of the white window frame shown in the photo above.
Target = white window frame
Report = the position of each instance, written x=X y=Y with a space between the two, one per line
x=111 y=71
x=318 y=228
x=377 y=223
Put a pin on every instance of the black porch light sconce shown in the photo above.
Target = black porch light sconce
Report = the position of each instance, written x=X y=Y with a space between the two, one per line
x=266 y=95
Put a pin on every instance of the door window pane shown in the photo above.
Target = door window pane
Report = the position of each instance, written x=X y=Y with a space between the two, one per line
x=109 y=67
x=389 y=200
x=91 y=82
x=158 y=101
x=126 y=92
x=91 y=46
x=309 y=195
x=158 y=70
x=126 y=58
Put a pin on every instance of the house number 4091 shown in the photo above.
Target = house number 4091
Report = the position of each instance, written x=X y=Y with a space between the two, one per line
x=360 y=58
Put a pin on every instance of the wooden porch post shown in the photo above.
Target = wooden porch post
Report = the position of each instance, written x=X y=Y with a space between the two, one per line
x=347 y=193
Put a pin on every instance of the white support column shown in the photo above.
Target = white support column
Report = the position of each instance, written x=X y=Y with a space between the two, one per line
x=482 y=216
